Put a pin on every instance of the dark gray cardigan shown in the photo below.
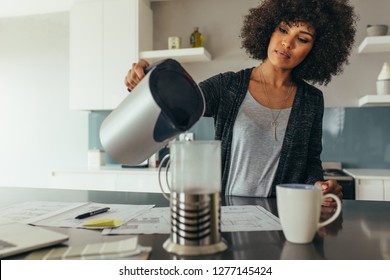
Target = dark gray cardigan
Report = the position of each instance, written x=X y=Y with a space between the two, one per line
x=302 y=145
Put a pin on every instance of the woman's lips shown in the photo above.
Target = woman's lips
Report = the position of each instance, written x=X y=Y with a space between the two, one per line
x=283 y=54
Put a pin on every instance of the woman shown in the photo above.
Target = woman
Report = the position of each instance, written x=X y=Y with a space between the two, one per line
x=269 y=118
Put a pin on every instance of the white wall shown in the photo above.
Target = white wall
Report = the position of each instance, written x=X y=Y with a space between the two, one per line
x=38 y=131
x=219 y=21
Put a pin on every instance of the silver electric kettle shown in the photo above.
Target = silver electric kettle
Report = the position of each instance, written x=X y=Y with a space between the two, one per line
x=165 y=103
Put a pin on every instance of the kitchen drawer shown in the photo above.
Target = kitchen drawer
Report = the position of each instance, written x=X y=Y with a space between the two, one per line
x=386 y=185
x=369 y=189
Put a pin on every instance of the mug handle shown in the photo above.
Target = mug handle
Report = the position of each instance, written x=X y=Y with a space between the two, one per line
x=335 y=214
x=166 y=158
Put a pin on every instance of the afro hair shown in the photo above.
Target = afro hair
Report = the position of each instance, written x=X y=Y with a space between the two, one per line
x=335 y=27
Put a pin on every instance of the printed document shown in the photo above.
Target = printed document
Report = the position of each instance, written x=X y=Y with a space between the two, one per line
x=62 y=214
x=233 y=219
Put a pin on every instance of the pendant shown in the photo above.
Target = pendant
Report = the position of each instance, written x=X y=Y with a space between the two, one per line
x=274 y=125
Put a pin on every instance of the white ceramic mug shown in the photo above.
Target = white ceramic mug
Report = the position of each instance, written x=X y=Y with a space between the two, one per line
x=299 y=208
x=292 y=251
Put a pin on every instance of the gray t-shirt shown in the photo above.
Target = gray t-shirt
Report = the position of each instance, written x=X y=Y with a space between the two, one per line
x=255 y=152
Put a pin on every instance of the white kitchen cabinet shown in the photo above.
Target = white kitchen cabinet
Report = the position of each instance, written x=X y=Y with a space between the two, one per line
x=386 y=186
x=106 y=36
x=108 y=178
x=369 y=189
x=371 y=184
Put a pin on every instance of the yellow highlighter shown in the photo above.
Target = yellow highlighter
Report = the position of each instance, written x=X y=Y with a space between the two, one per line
x=103 y=223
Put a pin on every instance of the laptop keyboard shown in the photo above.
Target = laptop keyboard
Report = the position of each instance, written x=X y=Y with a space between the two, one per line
x=5 y=244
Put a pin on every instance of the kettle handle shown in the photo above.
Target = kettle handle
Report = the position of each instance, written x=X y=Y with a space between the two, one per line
x=165 y=158
x=152 y=66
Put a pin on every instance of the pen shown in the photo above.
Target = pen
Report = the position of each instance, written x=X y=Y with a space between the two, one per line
x=92 y=213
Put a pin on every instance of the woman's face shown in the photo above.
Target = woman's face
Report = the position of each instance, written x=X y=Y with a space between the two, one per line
x=290 y=44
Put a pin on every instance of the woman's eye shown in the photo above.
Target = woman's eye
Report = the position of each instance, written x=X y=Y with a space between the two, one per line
x=303 y=40
x=282 y=30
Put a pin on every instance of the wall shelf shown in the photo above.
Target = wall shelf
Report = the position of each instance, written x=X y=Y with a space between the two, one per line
x=374 y=100
x=375 y=44
x=181 y=55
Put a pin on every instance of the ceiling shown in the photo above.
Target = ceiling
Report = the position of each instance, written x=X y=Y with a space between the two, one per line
x=12 y=8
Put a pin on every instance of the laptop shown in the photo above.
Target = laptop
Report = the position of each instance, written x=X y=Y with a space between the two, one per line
x=16 y=238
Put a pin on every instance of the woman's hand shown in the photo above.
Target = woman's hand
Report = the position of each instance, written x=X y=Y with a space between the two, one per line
x=135 y=74
x=330 y=186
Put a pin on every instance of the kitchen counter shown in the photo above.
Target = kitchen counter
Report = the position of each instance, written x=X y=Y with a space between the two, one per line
x=371 y=184
x=108 y=178
x=362 y=231
x=364 y=173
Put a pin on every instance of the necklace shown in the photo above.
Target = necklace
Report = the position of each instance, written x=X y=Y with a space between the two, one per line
x=274 y=122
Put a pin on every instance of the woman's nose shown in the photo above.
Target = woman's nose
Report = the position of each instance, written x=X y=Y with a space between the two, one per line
x=287 y=43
